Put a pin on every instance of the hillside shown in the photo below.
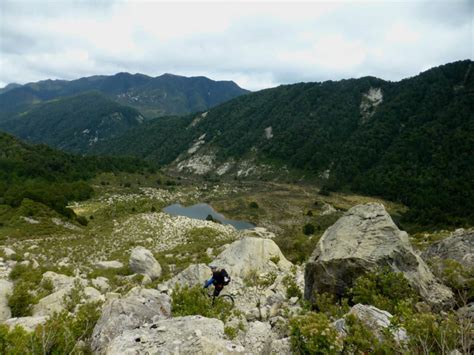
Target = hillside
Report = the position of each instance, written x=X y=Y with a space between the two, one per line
x=163 y=95
x=38 y=179
x=74 y=123
x=409 y=141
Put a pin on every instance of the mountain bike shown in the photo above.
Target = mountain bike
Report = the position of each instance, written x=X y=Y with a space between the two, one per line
x=225 y=298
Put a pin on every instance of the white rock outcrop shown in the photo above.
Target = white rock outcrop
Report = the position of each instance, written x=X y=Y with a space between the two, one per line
x=27 y=323
x=362 y=240
x=104 y=265
x=143 y=262
x=250 y=253
x=182 y=335
x=138 y=307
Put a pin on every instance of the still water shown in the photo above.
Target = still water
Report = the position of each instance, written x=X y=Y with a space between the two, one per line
x=201 y=211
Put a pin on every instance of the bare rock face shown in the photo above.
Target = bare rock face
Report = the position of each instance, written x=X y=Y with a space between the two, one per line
x=138 y=307
x=104 y=265
x=248 y=254
x=375 y=319
x=27 y=323
x=194 y=274
x=362 y=240
x=6 y=288
x=182 y=335
x=143 y=262
x=459 y=246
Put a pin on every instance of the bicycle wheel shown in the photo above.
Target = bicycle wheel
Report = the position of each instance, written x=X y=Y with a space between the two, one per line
x=227 y=299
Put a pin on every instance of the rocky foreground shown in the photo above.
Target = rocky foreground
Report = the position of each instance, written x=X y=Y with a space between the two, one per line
x=139 y=319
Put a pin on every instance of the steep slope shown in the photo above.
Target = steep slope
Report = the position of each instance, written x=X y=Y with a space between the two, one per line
x=410 y=141
x=164 y=95
x=74 y=123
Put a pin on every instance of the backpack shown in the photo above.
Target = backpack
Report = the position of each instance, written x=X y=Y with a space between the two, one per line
x=227 y=278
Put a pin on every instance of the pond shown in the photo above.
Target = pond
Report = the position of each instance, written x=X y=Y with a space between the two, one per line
x=201 y=211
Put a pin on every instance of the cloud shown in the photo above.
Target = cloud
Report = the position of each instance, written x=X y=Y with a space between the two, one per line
x=257 y=45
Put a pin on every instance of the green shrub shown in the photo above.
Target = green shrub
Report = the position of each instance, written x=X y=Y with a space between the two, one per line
x=231 y=332
x=194 y=300
x=308 y=229
x=292 y=289
x=21 y=300
x=253 y=204
x=326 y=303
x=313 y=334
x=14 y=341
x=383 y=289
x=82 y=220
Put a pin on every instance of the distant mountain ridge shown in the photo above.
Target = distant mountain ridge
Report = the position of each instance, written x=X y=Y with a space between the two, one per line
x=74 y=123
x=153 y=96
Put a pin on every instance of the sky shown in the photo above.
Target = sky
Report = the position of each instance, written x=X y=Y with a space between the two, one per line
x=256 y=44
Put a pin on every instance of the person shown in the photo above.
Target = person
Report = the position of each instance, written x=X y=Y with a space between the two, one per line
x=219 y=279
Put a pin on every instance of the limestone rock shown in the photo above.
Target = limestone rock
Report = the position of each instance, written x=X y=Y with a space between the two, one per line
x=6 y=288
x=459 y=246
x=194 y=274
x=101 y=283
x=143 y=262
x=182 y=335
x=27 y=323
x=281 y=347
x=104 y=265
x=258 y=338
x=375 y=319
x=60 y=281
x=53 y=303
x=362 y=240
x=8 y=252
x=93 y=295
x=136 y=308
x=250 y=253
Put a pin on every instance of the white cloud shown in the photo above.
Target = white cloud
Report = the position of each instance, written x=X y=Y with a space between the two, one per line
x=255 y=44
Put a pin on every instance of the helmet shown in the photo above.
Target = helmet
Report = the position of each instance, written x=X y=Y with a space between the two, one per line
x=213 y=267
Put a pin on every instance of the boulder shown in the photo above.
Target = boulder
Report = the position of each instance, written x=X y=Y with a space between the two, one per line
x=27 y=323
x=182 y=335
x=281 y=347
x=143 y=262
x=101 y=283
x=6 y=288
x=60 y=281
x=53 y=303
x=139 y=306
x=104 y=265
x=8 y=252
x=459 y=246
x=252 y=253
x=375 y=319
x=258 y=338
x=194 y=274
x=362 y=240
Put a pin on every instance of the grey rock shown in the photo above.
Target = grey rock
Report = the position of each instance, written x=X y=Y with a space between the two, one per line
x=104 y=265
x=143 y=262
x=60 y=281
x=139 y=306
x=252 y=253
x=194 y=274
x=375 y=319
x=362 y=240
x=8 y=252
x=182 y=335
x=6 y=288
x=53 y=303
x=101 y=283
x=459 y=246
x=258 y=338
x=281 y=347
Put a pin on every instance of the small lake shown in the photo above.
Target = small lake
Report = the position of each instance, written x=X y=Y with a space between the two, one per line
x=201 y=211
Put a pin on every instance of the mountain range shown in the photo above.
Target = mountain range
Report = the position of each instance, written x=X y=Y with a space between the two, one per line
x=153 y=96
x=409 y=141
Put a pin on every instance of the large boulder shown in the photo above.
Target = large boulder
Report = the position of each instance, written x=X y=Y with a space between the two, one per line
x=182 y=335
x=244 y=255
x=53 y=303
x=362 y=240
x=59 y=281
x=194 y=274
x=459 y=246
x=258 y=338
x=105 y=265
x=139 y=306
x=143 y=262
x=6 y=288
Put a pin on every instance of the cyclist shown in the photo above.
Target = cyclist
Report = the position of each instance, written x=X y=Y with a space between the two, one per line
x=219 y=279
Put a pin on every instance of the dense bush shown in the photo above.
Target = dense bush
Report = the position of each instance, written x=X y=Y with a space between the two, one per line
x=383 y=289
x=308 y=229
x=313 y=334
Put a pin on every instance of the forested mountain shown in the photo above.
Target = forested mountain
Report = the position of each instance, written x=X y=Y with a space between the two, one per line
x=74 y=123
x=163 y=95
x=410 y=141
x=49 y=176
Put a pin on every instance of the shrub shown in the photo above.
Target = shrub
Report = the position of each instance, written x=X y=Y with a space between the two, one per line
x=82 y=220
x=292 y=289
x=253 y=204
x=21 y=300
x=327 y=304
x=383 y=289
x=231 y=332
x=194 y=300
x=313 y=334
x=308 y=229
